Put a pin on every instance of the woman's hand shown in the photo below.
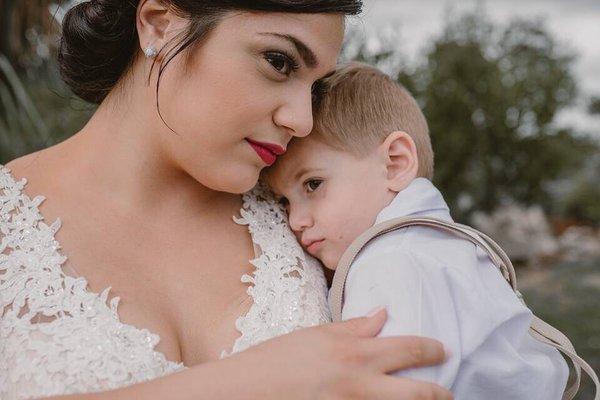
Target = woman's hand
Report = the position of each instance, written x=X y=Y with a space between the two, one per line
x=342 y=360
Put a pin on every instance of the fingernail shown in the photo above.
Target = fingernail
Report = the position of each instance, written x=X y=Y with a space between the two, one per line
x=448 y=352
x=375 y=311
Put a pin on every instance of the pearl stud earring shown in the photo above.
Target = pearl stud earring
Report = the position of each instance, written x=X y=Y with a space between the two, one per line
x=150 y=52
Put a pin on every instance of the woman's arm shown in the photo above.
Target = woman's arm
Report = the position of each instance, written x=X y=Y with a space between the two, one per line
x=336 y=361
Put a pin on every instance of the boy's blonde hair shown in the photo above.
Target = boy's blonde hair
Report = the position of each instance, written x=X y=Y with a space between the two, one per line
x=361 y=106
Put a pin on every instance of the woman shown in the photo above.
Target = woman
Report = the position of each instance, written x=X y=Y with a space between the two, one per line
x=195 y=98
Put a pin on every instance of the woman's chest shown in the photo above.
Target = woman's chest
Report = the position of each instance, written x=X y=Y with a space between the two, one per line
x=187 y=291
x=182 y=284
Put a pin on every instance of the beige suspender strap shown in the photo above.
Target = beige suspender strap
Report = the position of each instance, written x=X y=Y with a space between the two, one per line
x=499 y=258
x=546 y=333
x=540 y=330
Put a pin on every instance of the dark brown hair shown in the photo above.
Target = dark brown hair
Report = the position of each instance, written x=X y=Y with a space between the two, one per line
x=99 y=39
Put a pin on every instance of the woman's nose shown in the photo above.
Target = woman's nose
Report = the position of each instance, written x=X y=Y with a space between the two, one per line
x=296 y=114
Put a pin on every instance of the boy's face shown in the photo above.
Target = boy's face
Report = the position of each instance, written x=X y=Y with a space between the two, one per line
x=331 y=196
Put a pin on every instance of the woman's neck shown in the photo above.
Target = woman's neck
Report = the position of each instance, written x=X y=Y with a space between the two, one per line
x=118 y=156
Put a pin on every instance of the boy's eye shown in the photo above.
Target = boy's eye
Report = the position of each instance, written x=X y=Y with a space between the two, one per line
x=312 y=184
x=284 y=201
x=282 y=63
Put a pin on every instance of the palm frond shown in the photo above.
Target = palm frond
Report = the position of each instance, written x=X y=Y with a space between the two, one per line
x=21 y=125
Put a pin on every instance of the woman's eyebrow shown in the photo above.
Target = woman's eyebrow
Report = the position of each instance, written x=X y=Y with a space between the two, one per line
x=305 y=52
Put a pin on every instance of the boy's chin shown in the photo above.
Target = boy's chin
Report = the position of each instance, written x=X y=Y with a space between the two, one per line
x=330 y=263
x=326 y=258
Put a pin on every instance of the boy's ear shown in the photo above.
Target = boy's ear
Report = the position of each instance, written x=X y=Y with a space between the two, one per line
x=399 y=154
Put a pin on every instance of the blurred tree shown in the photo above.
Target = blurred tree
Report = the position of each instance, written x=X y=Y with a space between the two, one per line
x=594 y=106
x=29 y=81
x=582 y=203
x=490 y=95
x=21 y=126
x=27 y=32
x=379 y=48
x=6 y=19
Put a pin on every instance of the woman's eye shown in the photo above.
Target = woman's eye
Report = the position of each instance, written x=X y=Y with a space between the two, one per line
x=282 y=63
x=313 y=184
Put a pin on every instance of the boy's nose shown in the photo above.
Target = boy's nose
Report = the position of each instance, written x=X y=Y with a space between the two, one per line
x=299 y=220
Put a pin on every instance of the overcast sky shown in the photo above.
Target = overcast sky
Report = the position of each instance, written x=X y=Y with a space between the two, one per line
x=573 y=22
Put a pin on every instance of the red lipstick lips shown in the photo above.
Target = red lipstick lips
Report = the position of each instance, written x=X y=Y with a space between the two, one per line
x=268 y=152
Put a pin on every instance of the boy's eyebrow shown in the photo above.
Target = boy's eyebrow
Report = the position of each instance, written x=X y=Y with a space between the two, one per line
x=307 y=54
x=304 y=170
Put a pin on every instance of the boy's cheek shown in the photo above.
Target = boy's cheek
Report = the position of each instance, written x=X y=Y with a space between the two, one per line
x=298 y=236
x=330 y=258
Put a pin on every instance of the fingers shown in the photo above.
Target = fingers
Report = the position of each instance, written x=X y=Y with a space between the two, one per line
x=394 y=388
x=364 y=327
x=391 y=354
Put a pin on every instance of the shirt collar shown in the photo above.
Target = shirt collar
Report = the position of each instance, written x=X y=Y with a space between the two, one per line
x=418 y=198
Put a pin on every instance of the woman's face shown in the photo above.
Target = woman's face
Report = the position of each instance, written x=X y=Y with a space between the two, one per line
x=244 y=93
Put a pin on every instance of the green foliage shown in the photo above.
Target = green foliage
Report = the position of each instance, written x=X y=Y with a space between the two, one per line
x=583 y=202
x=490 y=95
x=24 y=129
x=566 y=296
x=594 y=106
x=27 y=32
x=36 y=108
x=381 y=49
x=490 y=107
x=17 y=115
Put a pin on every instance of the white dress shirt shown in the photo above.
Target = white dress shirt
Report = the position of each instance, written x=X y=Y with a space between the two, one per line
x=437 y=285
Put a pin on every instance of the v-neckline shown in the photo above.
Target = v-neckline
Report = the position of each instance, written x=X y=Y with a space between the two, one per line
x=102 y=296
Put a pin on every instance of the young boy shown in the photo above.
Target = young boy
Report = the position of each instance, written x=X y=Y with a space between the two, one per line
x=368 y=160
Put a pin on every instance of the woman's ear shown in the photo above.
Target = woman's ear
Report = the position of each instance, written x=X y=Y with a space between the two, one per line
x=156 y=25
x=399 y=154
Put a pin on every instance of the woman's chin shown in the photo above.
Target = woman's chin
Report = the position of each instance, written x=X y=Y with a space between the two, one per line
x=237 y=179
x=239 y=184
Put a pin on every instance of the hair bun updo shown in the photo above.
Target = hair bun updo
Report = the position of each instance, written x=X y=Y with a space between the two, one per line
x=99 y=40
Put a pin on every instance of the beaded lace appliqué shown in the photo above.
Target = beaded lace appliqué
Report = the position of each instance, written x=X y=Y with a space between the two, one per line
x=57 y=337
x=288 y=287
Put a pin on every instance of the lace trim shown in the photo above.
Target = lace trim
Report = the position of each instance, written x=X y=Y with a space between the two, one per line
x=288 y=287
x=53 y=329
x=58 y=337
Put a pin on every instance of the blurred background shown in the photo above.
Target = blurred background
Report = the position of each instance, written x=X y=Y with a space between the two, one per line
x=511 y=91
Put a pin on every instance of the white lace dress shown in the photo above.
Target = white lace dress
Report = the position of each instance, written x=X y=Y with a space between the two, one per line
x=57 y=337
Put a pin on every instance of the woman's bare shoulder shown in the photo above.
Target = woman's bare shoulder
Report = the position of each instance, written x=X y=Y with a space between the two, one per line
x=27 y=165
x=43 y=169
